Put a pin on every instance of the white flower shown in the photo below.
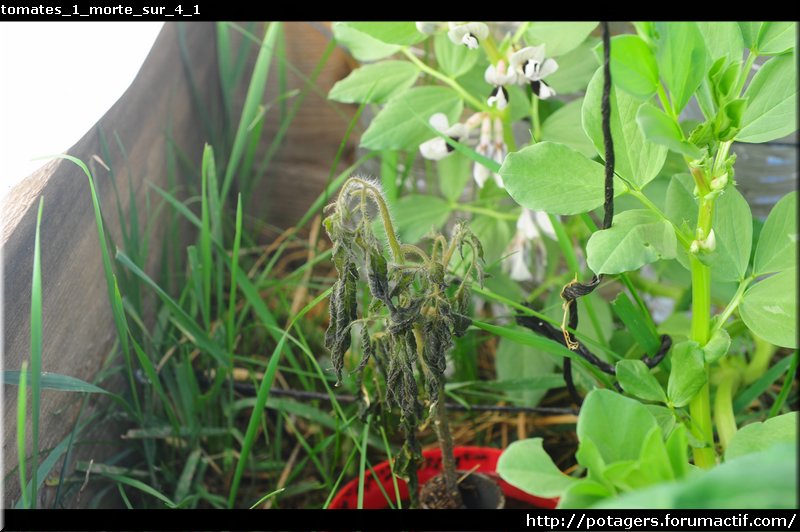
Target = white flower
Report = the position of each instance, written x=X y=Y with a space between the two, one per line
x=530 y=227
x=491 y=147
x=500 y=150
x=479 y=172
x=516 y=264
x=499 y=74
x=429 y=28
x=468 y=33
x=498 y=98
x=530 y=64
x=437 y=148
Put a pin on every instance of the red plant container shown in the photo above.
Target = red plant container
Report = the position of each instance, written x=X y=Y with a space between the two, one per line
x=467 y=458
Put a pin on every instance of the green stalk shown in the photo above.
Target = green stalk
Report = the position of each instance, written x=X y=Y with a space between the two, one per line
x=465 y=207
x=760 y=362
x=700 y=406
x=537 y=123
x=481 y=106
x=720 y=320
x=723 y=406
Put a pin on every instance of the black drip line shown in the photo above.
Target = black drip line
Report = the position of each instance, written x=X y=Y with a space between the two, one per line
x=574 y=289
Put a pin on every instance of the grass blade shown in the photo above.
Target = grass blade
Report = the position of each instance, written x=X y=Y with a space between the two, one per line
x=52 y=381
x=261 y=399
x=115 y=302
x=36 y=349
x=787 y=385
x=141 y=486
x=48 y=463
x=182 y=320
x=255 y=92
x=22 y=403
x=237 y=240
x=265 y=497
x=760 y=386
x=363 y=462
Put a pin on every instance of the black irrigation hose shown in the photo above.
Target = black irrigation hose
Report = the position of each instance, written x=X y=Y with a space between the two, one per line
x=250 y=390
x=574 y=290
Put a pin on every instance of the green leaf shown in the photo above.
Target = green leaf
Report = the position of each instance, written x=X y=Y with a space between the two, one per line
x=603 y=409
x=733 y=230
x=635 y=238
x=677 y=446
x=659 y=128
x=375 y=83
x=681 y=55
x=404 y=33
x=564 y=126
x=525 y=465
x=723 y=39
x=54 y=381
x=637 y=159
x=453 y=60
x=575 y=69
x=494 y=233
x=717 y=346
x=362 y=46
x=402 y=123
x=633 y=66
x=681 y=208
x=514 y=361
x=416 y=215
x=758 y=436
x=664 y=417
x=554 y=178
x=558 y=37
x=749 y=32
x=654 y=463
x=681 y=205
x=772 y=101
x=600 y=331
x=688 y=373
x=638 y=325
x=636 y=379
x=769 y=308
x=759 y=480
x=776 y=37
x=583 y=494
x=777 y=243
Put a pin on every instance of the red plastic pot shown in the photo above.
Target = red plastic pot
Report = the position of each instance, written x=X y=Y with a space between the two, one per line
x=467 y=458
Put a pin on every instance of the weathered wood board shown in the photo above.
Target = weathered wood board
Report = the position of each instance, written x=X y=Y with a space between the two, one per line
x=78 y=327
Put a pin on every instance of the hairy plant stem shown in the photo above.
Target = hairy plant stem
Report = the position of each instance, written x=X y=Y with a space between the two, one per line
x=442 y=428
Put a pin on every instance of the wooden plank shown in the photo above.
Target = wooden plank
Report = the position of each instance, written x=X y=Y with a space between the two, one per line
x=78 y=329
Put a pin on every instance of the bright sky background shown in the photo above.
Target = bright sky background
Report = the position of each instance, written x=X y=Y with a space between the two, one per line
x=56 y=80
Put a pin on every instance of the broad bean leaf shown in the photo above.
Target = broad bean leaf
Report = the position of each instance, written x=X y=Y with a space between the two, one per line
x=637 y=159
x=769 y=308
x=635 y=238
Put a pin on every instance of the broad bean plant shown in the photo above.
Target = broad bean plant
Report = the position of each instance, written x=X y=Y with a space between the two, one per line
x=504 y=124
